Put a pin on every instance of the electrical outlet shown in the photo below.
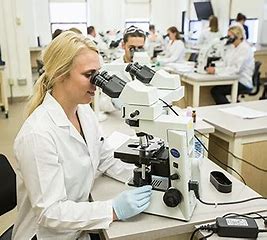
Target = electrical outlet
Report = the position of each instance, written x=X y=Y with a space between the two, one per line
x=22 y=81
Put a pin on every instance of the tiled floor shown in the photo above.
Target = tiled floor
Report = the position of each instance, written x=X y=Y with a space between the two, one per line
x=10 y=127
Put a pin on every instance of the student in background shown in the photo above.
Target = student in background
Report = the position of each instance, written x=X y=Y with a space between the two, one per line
x=238 y=60
x=91 y=34
x=175 y=50
x=133 y=40
x=240 y=21
x=154 y=41
x=60 y=148
x=212 y=32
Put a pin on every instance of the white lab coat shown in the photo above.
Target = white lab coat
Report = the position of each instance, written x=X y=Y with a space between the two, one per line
x=175 y=52
x=56 y=171
x=240 y=61
x=207 y=36
x=154 y=42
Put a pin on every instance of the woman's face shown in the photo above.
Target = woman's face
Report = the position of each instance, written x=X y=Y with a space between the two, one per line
x=171 y=35
x=77 y=86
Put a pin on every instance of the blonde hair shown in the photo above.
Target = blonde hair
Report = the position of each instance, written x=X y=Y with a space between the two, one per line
x=237 y=31
x=57 y=57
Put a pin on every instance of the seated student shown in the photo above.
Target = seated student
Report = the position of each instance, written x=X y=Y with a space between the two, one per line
x=212 y=32
x=240 y=21
x=175 y=50
x=239 y=60
x=133 y=40
x=154 y=41
x=60 y=148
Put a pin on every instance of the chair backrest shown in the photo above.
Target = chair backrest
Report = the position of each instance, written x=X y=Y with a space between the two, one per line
x=256 y=78
x=8 y=196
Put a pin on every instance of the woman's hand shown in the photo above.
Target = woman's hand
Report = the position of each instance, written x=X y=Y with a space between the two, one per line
x=210 y=70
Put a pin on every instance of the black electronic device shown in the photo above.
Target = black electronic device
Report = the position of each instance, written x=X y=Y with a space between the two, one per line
x=203 y=10
x=237 y=227
x=220 y=182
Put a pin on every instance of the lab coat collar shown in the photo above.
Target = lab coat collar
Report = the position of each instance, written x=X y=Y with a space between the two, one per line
x=59 y=117
x=55 y=111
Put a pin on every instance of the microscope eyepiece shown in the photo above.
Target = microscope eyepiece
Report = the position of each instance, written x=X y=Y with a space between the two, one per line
x=142 y=73
x=111 y=85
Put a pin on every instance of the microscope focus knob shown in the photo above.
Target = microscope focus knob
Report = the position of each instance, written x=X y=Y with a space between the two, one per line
x=172 y=197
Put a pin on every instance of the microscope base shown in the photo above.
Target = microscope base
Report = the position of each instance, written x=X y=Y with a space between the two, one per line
x=157 y=205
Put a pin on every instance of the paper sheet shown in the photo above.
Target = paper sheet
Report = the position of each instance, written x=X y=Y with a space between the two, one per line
x=244 y=112
x=116 y=139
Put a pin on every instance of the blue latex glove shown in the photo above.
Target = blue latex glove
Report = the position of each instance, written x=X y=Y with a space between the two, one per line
x=130 y=203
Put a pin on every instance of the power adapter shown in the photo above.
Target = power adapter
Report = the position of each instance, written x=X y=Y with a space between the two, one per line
x=236 y=227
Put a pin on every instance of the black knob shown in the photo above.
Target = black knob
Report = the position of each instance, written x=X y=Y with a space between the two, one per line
x=135 y=113
x=172 y=197
x=174 y=176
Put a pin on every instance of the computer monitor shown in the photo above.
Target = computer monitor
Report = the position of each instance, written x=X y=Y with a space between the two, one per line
x=253 y=25
x=203 y=10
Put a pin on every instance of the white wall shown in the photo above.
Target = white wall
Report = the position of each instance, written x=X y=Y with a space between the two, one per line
x=107 y=14
x=167 y=13
x=15 y=45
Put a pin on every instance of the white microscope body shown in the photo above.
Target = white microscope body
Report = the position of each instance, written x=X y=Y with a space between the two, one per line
x=166 y=161
x=216 y=48
x=178 y=133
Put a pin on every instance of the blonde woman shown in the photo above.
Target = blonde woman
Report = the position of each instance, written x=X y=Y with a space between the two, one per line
x=60 y=148
x=238 y=60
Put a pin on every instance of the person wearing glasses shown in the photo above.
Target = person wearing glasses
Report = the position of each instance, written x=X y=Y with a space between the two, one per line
x=133 y=41
x=60 y=148
x=175 y=50
x=238 y=60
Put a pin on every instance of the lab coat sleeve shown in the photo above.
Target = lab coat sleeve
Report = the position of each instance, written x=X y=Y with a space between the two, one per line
x=234 y=66
x=43 y=177
x=176 y=54
x=113 y=167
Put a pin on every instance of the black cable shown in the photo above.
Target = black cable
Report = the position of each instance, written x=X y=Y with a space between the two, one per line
x=262 y=230
x=169 y=106
x=193 y=234
x=208 y=227
x=221 y=161
x=234 y=202
x=207 y=236
x=205 y=146
x=232 y=154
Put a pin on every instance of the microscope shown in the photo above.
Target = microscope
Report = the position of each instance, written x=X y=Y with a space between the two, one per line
x=164 y=152
x=210 y=53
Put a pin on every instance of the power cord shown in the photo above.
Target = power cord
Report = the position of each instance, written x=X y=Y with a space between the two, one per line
x=194 y=185
x=232 y=154
x=243 y=180
x=208 y=227
x=169 y=106
x=205 y=146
